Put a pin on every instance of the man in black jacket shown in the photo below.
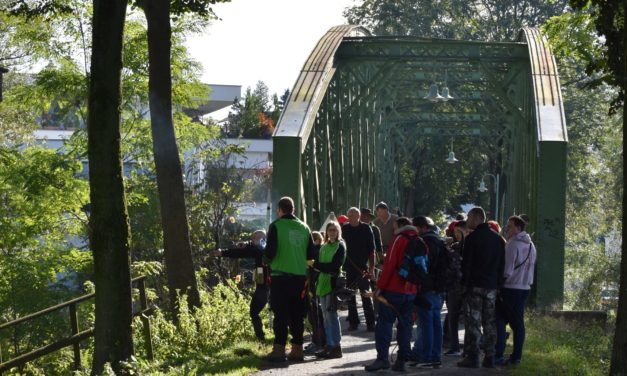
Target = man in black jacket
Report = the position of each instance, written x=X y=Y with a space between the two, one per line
x=359 y=266
x=253 y=249
x=482 y=267
x=427 y=352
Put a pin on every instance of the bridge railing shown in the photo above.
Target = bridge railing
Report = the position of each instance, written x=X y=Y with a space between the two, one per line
x=77 y=336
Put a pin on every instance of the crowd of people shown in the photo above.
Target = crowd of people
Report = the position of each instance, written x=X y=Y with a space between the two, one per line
x=403 y=271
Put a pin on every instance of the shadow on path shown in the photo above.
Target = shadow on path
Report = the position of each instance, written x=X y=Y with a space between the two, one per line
x=359 y=349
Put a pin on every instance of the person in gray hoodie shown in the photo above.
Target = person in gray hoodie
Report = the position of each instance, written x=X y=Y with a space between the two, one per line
x=520 y=261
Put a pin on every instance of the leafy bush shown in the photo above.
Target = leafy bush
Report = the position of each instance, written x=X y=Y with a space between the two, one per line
x=222 y=320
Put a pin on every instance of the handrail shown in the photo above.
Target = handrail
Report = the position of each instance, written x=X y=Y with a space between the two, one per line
x=77 y=336
x=57 y=307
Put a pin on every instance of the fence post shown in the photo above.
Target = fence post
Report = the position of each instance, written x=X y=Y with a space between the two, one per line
x=75 y=345
x=143 y=301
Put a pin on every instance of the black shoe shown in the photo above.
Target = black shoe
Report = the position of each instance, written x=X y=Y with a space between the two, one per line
x=322 y=353
x=377 y=365
x=399 y=366
x=311 y=349
x=512 y=362
x=488 y=362
x=352 y=327
x=333 y=353
x=453 y=353
x=469 y=362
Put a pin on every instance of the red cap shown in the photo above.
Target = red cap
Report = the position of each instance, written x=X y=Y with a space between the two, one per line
x=451 y=226
x=494 y=225
x=342 y=218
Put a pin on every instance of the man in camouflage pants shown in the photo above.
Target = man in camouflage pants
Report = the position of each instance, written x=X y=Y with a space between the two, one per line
x=482 y=267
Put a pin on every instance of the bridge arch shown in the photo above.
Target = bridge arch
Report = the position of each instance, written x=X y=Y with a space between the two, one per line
x=359 y=105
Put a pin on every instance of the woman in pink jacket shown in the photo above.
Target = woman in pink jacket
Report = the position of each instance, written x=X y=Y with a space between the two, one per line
x=520 y=261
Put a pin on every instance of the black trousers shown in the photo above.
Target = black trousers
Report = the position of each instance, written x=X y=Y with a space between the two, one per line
x=289 y=304
x=258 y=301
x=454 y=306
x=362 y=284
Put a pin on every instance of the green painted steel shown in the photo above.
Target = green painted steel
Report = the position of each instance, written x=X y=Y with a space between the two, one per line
x=358 y=120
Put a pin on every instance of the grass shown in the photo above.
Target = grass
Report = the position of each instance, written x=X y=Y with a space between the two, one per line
x=238 y=359
x=557 y=347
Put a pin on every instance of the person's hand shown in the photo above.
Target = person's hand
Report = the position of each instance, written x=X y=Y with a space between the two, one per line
x=216 y=252
x=310 y=263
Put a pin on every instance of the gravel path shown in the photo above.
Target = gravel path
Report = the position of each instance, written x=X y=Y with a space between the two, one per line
x=358 y=349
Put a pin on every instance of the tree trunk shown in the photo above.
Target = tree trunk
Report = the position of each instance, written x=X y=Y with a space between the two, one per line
x=109 y=227
x=177 y=245
x=618 y=365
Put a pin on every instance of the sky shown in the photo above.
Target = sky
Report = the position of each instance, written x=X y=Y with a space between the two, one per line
x=263 y=40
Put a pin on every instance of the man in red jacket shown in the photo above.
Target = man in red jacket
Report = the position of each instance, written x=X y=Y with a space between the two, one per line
x=396 y=296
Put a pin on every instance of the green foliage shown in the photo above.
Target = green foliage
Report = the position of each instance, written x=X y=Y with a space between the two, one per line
x=608 y=18
x=595 y=165
x=488 y=20
x=214 y=189
x=556 y=347
x=256 y=114
x=40 y=213
x=21 y=39
x=201 y=343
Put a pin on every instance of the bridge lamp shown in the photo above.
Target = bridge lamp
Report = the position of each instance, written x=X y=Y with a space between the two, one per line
x=434 y=94
x=445 y=93
x=482 y=188
x=451 y=155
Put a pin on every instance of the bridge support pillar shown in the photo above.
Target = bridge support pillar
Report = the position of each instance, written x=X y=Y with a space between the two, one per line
x=286 y=173
x=549 y=226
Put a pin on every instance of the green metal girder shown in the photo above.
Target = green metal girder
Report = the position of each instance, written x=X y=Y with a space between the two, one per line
x=414 y=49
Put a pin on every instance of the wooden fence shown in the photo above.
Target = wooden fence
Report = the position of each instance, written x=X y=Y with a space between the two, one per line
x=77 y=336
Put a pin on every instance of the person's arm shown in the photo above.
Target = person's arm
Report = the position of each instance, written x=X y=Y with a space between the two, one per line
x=501 y=265
x=271 y=243
x=377 y=244
x=334 y=266
x=532 y=249
x=371 y=249
x=391 y=264
x=510 y=259
x=248 y=251
x=311 y=248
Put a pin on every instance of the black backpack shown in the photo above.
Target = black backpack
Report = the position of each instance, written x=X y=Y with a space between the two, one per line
x=415 y=263
x=440 y=263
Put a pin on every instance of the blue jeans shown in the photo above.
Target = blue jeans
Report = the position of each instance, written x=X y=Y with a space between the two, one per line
x=331 y=321
x=428 y=346
x=515 y=299
x=399 y=308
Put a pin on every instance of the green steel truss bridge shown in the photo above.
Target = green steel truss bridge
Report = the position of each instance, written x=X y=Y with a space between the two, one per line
x=359 y=106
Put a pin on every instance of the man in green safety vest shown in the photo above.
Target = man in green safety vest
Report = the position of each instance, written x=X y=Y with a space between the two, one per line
x=289 y=246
